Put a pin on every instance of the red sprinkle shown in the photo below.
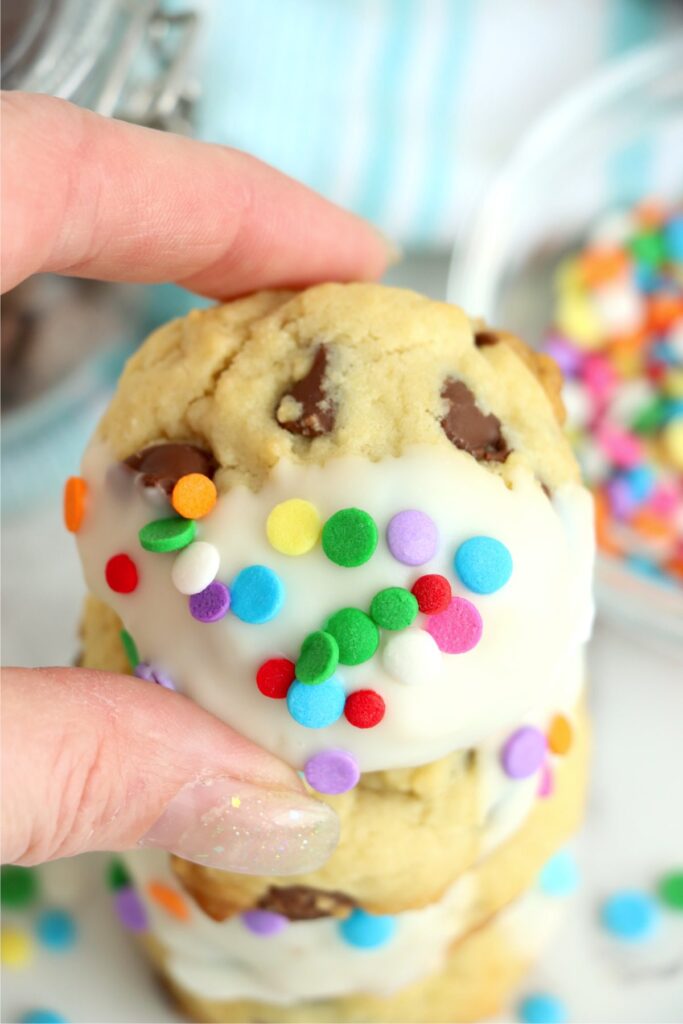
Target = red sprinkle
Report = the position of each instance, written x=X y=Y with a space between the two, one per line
x=275 y=677
x=433 y=593
x=364 y=709
x=121 y=574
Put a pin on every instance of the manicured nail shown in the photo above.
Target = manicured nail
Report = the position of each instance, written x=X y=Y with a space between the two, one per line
x=235 y=826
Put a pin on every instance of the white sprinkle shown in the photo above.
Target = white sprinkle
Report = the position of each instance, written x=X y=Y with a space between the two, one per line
x=195 y=567
x=413 y=657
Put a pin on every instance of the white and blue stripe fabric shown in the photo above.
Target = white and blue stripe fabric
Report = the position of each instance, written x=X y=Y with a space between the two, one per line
x=402 y=110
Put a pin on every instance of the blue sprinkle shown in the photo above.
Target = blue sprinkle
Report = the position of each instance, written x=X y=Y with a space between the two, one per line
x=542 y=1008
x=644 y=566
x=673 y=409
x=641 y=482
x=483 y=564
x=560 y=875
x=257 y=594
x=630 y=915
x=57 y=930
x=42 y=1016
x=665 y=352
x=367 y=931
x=316 y=706
x=673 y=235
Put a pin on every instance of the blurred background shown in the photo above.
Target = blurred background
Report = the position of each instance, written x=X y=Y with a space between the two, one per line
x=528 y=157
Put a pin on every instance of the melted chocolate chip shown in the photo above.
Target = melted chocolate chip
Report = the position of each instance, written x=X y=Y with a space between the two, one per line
x=162 y=465
x=302 y=903
x=318 y=412
x=468 y=427
x=484 y=338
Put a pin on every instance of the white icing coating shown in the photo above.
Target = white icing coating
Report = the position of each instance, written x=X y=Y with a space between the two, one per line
x=530 y=627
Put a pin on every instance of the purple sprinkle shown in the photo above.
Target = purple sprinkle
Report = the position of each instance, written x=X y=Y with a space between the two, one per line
x=412 y=537
x=130 y=909
x=332 y=771
x=210 y=604
x=568 y=358
x=264 y=922
x=153 y=675
x=621 y=500
x=524 y=752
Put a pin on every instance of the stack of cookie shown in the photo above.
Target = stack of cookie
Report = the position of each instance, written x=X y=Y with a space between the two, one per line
x=387 y=539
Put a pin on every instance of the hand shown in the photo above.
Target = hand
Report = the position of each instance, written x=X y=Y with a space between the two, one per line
x=90 y=760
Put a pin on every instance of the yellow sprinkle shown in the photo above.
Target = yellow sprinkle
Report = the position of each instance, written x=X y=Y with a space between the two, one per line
x=235 y=801
x=672 y=438
x=16 y=948
x=293 y=526
x=568 y=276
x=673 y=383
x=577 y=318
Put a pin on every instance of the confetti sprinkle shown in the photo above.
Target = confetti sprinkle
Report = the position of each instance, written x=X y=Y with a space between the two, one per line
x=542 y=1008
x=170 y=534
x=169 y=900
x=524 y=752
x=16 y=948
x=42 y=1016
x=257 y=594
x=316 y=706
x=332 y=772
x=560 y=875
x=210 y=604
x=265 y=923
x=367 y=931
x=56 y=929
x=356 y=635
x=433 y=594
x=364 y=709
x=75 y=496
x=130 y=647
x=630 y=915
x=350 y=537
x=195 y=567
x=275 y=677
x=394 y=608
x=318 y=659
x=194 y=496
x=670 y=888
x=117 y=874
x=18 y=886
x=413 y=657
x=458 y=629
x=560 y=735
x=121 y=574
x=412 y=537
x=151 y=674
x=130 y=909
x=293 y=527
x=483 y=564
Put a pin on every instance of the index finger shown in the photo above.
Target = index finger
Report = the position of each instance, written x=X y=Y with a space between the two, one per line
x=92 y=197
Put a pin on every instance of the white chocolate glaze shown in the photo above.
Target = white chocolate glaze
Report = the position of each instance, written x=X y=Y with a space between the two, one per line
x=531 y=627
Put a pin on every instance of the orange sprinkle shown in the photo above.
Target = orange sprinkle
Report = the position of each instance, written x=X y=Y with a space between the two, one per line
x=651 y=525
x=650 y=213
x=603 y=533
x=75 y=491
x=194 y=495
x=663 y=311
x=560 y=735
x=170 y=900
x=602 y=263
x=675 y=566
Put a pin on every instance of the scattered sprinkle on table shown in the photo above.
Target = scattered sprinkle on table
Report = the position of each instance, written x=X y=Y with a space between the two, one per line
x=630 y=915
x=293 y=527
x=349 y=537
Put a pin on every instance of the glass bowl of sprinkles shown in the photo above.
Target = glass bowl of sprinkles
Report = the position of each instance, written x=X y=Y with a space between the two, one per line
x=578 y=248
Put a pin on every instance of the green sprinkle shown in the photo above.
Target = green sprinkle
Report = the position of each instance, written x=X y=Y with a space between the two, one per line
x=649 y=248
x=355 y=633
x=318 y=659
x=18 y=886
x=651 y=417
x=670 y=890
x=130 y=647
x=168 y=534
x=117 y=874
x=350 y=537
x=394 y=608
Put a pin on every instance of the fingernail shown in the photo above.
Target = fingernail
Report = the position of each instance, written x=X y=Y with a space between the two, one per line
x=234 y=826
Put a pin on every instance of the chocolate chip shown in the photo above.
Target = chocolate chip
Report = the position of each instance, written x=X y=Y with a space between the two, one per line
x=162 y=465
x=317 y=412
x=468 y=427
x=484 y=338
x=302 y=903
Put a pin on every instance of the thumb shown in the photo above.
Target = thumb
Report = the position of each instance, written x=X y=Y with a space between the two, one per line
x=94 y=761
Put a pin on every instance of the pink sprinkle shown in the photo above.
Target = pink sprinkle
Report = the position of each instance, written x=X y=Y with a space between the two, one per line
x=664 y=501
x=600 y=378
x=546 y=785
x=457 y=629
x=624 y=449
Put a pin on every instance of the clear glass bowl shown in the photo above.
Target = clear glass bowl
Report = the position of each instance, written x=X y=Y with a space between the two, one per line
x=613 y=142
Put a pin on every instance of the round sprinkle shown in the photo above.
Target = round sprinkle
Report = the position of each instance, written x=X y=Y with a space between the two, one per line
x=75 y=495
x=546 y=782
x=130 y=909
x=332 y=772
x=257 y=594
x=169 y=900
x=211 y=604
x=458 y=629
x=412 y=537
x=169 y=534
x=364 y=709
x=153 y=675
x=630 y=915
x=524 y=752
x=56 y=930
x=16 y=948
x=670 y=890
x=275 y=677
x=41 y=1015
x=413 y=657
x=356 y=635
x=18 y=886
x=560 y=875
x=350 y=537
x=483 y=564
x=264 y=922
x=542 y=1008
x=194 y=496
x=195 y=567
x=121 y=574
x=394 y=608
x=293 y=527
x=560 y=735
x=318 y=659
x=117 y=874
x=433 y=594
x=367 y=931
x=316 y=706
x=130 y=647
